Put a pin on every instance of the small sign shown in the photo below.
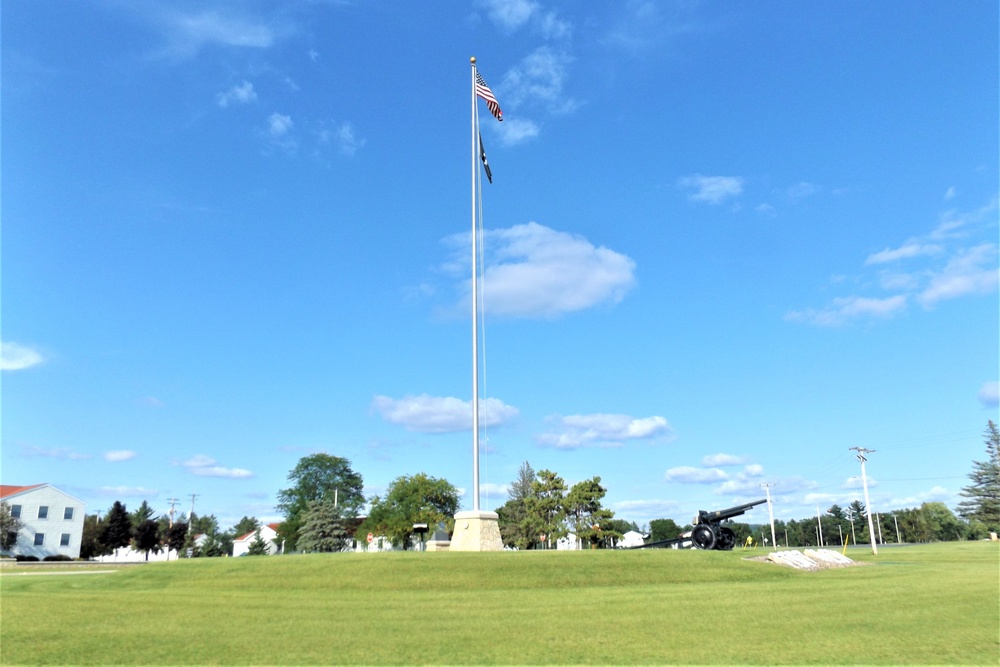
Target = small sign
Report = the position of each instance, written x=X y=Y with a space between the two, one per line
x=370 y=538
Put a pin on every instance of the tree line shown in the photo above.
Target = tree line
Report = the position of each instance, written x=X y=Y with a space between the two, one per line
x=322 y=510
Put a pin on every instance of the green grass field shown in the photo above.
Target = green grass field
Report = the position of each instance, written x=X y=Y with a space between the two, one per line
x=937 y=604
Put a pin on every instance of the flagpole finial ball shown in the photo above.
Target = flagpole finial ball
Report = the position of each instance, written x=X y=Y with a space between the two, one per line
x=472 y=60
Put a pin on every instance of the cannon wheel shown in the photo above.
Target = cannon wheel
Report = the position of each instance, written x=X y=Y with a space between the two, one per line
x=727 y=539
x=703 y=536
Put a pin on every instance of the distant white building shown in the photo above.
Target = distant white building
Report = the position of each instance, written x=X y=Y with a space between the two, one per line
x=51 y=520
x=630 y=539
x=269 y=533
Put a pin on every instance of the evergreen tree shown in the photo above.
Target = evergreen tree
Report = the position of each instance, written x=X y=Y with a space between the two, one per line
x=258 y=547
x=513 y=515
x=983 y=494
x=117 y=531
x=324 y=529
x=141 y=515
x=545 y=508
x=586 y=515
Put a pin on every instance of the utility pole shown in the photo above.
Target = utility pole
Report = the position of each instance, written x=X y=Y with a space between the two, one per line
x=864 y=481
x=878 y=520
x=819 y=528
x=896 y=521
x=850 y=515
x=191 y=516
x=171 y=512
x=770 y=514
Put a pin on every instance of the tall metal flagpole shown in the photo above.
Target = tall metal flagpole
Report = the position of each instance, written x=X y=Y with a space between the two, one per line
x=475 y=309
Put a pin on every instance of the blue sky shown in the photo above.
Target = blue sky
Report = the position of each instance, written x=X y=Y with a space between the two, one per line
x=725 y=242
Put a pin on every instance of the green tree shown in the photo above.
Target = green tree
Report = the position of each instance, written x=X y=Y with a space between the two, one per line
x=247 y=524
x=545 y=508
x=982 y=502
x=147 y=537
x=409 y=500
x=513 y=515
x=663 y=529
x=318 y=478
x=324 y=529
x=9 y=525
x=141 y=515
x=176 y=536
x=258 y=547
x=90 y=542
x=585 y=514
x=203 y=525
x=117 y=531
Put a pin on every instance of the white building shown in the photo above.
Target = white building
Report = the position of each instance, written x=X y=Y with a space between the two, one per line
x=269 y=533
x=51 y=520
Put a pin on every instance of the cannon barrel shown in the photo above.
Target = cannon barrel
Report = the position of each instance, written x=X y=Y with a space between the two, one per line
x=716 y=516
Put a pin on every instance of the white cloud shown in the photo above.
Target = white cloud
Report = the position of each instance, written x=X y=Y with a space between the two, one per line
x=536 y=272
x=644 y=511
x=205 y=466
x=343 y=136
x=538 y=82
x=238 y=94
x=906 y=251
x=989 y=394
x=802 y=190
x=64 y=453
x=845 y=309
x=971 y=271
x=934 y=494
x=602 y=430
x=279 y=125
x=517 y=130
x=717 y=460
x=712 y=189
x=689 y=475
x=16 y=357
x=188 y=33
x=117 y=455
x=437 y=414
x=510 y=15
x=945 y=265
x=950 y=193
x=119 y=492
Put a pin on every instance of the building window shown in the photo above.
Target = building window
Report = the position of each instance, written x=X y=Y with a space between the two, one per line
x=15 y=511
x=64 y=540
x=68 y=514
x=12 y=538
x=43 y=512
x=39 y=539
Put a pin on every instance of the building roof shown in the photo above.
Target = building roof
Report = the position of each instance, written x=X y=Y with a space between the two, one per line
x=272 y=526
x=9 y=490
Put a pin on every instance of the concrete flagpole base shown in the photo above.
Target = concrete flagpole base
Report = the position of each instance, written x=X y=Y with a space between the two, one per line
x=476 y=531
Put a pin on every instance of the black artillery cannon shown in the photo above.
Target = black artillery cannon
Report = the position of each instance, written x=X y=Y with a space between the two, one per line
x=709 y=533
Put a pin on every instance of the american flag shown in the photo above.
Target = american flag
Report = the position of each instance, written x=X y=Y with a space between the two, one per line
x=483 y=91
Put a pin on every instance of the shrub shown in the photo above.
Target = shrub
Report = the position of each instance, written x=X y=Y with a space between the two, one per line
x=26 y=559
x=57 y=557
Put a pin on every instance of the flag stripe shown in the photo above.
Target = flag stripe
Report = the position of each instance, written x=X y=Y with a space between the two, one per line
x=483 y=91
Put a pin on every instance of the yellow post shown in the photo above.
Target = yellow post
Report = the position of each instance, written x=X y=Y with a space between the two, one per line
x=846 y=542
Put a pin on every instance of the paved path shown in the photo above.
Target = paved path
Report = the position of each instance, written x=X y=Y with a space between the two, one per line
x=55 y=572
